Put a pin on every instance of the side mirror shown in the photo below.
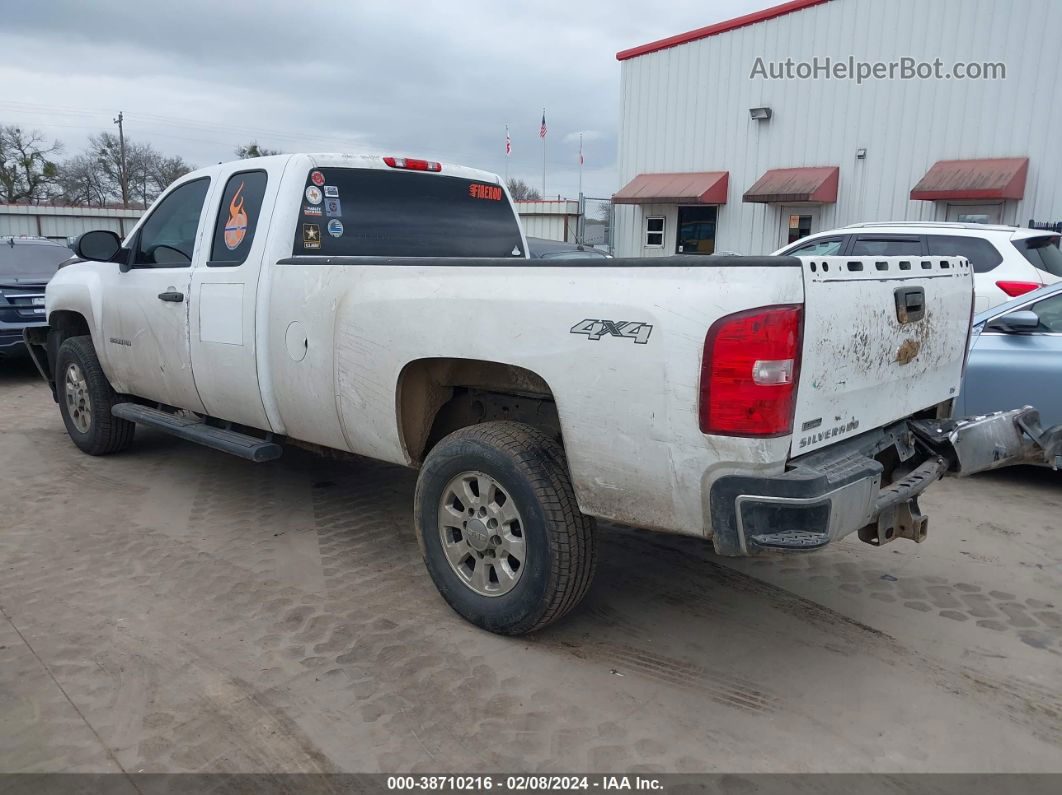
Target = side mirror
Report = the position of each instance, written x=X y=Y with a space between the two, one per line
x=1022 y=320
x=100 y=245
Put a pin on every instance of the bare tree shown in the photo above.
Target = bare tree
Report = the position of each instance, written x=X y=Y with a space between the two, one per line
x=252 y=149
x=27 y=171
x=96 y=177
x=165 y=170
x=81 y=181
x=114 y=171
x=521 y=191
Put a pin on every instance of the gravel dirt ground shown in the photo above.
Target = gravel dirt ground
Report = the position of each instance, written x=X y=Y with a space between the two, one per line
x=176 y=609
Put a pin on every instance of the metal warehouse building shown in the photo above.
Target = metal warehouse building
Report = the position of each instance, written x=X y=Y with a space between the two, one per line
x=64 y=223
x=714 y=156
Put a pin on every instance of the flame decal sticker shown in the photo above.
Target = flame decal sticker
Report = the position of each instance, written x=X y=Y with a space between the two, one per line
x=236 y=227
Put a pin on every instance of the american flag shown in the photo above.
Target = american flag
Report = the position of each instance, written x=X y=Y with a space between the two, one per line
x=508 y=142
x=542 y=129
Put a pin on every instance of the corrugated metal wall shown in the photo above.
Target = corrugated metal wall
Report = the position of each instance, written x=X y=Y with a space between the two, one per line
x=61 y=223
x=687 y=109
x=552 y=220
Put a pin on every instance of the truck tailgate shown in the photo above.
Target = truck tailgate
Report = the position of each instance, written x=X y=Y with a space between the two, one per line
x=883 y=338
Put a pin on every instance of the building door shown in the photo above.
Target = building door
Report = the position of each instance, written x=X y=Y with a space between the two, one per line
x=696 y=230
x=798 y=222
x=975 y=213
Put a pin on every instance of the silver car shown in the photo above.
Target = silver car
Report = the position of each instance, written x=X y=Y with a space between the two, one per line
x=1016 y=357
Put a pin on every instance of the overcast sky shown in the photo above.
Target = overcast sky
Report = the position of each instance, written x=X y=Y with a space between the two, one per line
x=198 y=77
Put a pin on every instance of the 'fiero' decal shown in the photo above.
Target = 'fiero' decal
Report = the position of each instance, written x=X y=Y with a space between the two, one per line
x=626 y=329
x=477 y=191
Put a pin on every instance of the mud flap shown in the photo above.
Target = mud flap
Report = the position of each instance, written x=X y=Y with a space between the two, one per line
x=992 y=441
x=36 y=339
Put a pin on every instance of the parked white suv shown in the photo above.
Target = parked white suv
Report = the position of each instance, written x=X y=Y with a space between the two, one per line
x=1008 y=261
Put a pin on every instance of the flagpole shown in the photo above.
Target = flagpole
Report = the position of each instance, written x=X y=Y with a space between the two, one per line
x=580 y=164
x=507 y=154
x=543 y=136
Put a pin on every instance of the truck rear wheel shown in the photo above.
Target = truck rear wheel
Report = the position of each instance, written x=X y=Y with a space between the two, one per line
x=85 y=400
x=499 y=528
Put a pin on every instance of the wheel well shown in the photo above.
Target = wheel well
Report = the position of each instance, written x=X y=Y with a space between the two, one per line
x=439 y=396
x=65 y=323
x=45 y=340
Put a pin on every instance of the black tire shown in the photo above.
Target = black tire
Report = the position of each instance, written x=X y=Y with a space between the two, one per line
x=100 y=432
x=560 y=543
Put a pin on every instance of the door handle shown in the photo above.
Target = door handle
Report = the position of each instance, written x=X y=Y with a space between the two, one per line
x=171 y=295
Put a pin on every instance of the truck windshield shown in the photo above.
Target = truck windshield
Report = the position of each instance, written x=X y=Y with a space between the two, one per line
x=372 y=212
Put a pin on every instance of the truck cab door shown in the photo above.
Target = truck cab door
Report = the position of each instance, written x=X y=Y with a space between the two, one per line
x=225 y=288
x=146 y=307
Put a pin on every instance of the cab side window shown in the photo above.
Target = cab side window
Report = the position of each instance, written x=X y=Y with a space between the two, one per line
x=167 y=238
x=237 y=218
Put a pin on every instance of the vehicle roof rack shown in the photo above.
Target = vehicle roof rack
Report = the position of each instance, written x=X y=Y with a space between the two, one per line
x=934 y=224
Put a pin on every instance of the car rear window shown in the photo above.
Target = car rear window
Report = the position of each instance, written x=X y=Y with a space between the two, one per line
x=1042 y=251
x=31 y=260
x=365 y=212
x=982 y=255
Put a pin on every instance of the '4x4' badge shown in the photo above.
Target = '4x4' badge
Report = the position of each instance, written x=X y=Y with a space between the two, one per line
x=629 y=329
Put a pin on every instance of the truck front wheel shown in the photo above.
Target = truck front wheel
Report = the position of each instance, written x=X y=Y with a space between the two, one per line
x=85 y=400
x=499 y=528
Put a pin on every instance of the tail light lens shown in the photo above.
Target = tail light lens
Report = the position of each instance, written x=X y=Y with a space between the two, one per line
x=1014 y=289
x=749 y=372
x=412 y=164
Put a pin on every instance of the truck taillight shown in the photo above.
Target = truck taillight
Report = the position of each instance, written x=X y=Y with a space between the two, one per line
x=1014 y=289
x=412 y=164
x=749 y=372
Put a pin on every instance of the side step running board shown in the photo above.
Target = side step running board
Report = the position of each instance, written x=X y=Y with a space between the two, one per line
x=195 y=430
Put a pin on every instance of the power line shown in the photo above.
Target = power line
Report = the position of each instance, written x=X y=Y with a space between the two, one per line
x=190 y=124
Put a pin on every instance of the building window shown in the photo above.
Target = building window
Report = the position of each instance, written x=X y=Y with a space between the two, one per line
x=696 y=230
x=654 y=231
x=799 y=226
x=975 y=213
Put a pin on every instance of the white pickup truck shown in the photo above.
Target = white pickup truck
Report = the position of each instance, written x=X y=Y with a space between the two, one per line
x=386 y=307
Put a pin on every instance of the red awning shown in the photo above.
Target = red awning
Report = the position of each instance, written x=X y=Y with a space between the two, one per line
x=700 y=187
x=994 y=178
x=817 y=184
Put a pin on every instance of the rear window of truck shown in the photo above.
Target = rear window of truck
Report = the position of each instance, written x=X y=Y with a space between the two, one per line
x=363 y=212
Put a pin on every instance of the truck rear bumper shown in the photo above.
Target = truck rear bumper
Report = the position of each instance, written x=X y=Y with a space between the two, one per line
x=829 y=494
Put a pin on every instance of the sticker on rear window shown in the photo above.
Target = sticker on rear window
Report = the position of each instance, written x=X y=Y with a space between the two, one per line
x=335 y=228
x=317 y=178
x=331 y=191
x=313 y=195
x=310 y=209
x=333 y=207
x=311 y=236
x=477 y=191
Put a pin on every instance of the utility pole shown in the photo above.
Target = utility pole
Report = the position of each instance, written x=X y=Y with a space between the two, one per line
x=124 y=181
